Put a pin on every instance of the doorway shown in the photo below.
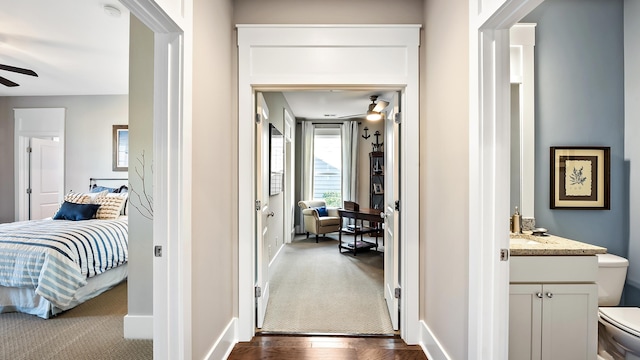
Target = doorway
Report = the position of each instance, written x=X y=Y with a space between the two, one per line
x=335 y=293
x=355 y=59
x=32 y=155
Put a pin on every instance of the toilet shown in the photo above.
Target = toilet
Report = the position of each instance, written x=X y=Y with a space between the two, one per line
x=619 y=327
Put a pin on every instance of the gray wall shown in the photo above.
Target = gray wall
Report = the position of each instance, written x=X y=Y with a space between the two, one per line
x=632 y=145
x=88 y=140
x=214 y=156
x=140 y=282
x=579 y=100
x=7 y=180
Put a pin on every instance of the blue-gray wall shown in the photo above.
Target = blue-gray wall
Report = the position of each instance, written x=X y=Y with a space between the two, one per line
x=579 y=73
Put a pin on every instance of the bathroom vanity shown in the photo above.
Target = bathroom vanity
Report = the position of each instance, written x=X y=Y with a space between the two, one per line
x=553 y=298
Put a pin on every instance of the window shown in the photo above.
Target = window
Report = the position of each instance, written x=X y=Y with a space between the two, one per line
x=327 y=165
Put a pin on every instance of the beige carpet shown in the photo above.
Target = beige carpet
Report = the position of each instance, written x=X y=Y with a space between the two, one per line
x=93 y=330
x=315 y=289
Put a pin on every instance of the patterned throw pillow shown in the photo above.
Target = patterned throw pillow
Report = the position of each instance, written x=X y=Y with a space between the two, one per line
x=78 y=198
x=111 y=205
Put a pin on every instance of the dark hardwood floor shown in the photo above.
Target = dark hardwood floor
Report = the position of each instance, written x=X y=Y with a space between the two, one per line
x=289 y=347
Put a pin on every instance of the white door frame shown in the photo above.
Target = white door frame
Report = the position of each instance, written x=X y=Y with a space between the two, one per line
x=328 y=56
x=30 y=123
x=489 y=139
x=172 y=176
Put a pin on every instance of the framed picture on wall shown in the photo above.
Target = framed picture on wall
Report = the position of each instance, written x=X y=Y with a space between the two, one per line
x=120 y=148
x=377 y=189
x=580 y=177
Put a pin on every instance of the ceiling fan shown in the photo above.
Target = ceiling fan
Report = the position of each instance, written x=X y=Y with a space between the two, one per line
x=6 y=82
x=374 y=111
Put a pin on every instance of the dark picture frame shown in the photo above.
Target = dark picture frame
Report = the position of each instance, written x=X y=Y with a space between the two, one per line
x=120 y=161
x=580 y=177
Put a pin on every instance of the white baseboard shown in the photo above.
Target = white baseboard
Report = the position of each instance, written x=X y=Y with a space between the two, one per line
x=223 y=346
x=430 y=345
x=138 y=327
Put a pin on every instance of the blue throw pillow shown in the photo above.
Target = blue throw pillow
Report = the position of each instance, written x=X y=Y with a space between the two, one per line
x=97 y=189
x=322 y=211
x=75 y=212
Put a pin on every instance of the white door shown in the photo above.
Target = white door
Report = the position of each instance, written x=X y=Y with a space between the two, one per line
x=46 y=176
x=262 y=209
x=391 y=197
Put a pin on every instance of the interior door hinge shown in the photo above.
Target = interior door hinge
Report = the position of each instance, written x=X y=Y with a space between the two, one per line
x=258 y=118
x=29 y=149
x=258 y=291
x=258 y=205
x=157 y=251
x=504 y=254
x=28 y=191
x=397 y=205
x=398 y=118
x=396 y=293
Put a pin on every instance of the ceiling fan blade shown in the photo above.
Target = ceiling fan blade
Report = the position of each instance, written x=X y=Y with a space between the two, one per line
x=380 y=105
x=7 y=82
x=18 y=70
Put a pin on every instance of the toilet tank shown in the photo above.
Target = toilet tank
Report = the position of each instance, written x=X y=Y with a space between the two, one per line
x=612 y=272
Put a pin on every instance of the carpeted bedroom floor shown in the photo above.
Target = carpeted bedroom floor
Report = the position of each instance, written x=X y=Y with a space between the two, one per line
x=92 y=330
x=316 y=289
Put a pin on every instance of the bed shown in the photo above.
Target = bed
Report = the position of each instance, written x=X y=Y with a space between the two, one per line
x=52 y=265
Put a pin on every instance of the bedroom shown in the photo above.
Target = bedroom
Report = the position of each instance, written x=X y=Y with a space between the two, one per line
x=89 y=119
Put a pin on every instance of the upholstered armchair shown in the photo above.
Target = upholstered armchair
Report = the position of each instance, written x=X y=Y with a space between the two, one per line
x=318 y=218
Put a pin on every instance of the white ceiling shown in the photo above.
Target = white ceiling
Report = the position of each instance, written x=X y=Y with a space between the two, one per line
x=73 y=45
x=76 y=48
x=332 y=104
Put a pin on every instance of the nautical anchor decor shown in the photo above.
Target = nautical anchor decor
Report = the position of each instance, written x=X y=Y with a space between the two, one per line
x=377 y=146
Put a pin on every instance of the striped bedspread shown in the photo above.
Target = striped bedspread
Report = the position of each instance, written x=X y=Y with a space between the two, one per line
x=55 y=257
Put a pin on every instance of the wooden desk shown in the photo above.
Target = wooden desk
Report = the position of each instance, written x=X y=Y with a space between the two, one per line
x=359 y=217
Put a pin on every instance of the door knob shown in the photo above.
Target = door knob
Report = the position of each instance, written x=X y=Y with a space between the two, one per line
x=271 y=214
x=383 y=214
x=549 y=295
x=539 y=295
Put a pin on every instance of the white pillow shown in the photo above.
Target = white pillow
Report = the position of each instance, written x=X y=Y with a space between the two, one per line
x=111 y=205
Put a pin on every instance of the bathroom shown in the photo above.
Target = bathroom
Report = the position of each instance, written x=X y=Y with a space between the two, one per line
x=586 y=94
x=580 y=76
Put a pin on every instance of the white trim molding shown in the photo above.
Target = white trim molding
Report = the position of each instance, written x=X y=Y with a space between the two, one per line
x=223 y=346
x=489 y=151
x=138 y=327
x=430 y=344
x=285 y=57
x=171 y=24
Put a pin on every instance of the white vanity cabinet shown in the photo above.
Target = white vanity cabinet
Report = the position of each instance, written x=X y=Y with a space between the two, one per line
x=553 y=307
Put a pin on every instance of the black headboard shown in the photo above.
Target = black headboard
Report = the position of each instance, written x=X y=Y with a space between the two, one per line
x=120 y=184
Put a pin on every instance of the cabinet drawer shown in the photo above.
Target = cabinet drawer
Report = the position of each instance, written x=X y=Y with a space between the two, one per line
x=553 y=269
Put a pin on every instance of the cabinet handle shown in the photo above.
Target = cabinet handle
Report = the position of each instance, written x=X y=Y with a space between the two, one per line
x=549 y=295
x=539 y=295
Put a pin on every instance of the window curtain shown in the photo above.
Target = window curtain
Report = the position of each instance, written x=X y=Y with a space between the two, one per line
x=349 y=160
x=306 y=176
x=308 y=130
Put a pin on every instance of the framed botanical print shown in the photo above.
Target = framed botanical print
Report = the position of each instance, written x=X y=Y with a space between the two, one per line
x=580 y=177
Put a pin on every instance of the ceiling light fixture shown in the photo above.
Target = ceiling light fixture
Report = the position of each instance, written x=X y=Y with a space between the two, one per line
x=111 y=10
x=374 y=111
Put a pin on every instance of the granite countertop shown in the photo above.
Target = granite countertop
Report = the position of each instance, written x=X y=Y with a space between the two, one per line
x=527 y=244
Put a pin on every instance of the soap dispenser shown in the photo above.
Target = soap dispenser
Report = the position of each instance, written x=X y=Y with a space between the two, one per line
x=516 y=227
